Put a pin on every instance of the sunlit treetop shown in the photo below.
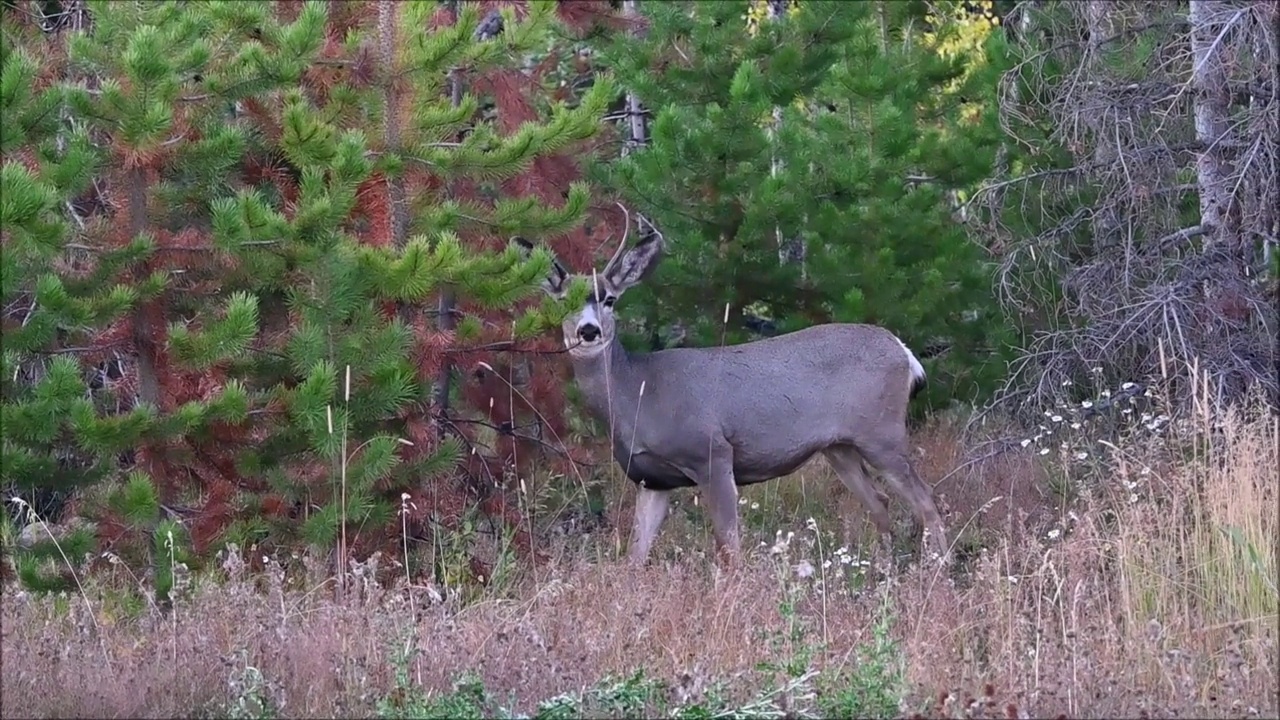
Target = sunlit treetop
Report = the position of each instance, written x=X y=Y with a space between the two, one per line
x=761 y=10
x=959 y=29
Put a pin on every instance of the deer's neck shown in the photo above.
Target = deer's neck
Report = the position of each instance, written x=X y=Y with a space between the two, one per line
x=610 y=385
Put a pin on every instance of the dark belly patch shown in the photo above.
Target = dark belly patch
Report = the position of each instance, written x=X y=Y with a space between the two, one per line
x=662 y=483
x=655 y=474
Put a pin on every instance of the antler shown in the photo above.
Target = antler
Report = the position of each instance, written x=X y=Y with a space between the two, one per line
x=622 y=246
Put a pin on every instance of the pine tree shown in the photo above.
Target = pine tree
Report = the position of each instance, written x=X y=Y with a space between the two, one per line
x=72 y=303
x=801 y=174
x=452 y=171
x=287 y=189
x=521 y=391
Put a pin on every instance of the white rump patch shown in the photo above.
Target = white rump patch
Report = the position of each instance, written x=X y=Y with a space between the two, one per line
x=917 y=370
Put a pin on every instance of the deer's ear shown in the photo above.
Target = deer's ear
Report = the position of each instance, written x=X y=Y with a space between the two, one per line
x=634 y=265
x=557 y=281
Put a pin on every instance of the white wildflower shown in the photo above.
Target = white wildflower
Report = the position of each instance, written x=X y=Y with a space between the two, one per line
x=1054 y=533
x=1086 y=404
x=780 y=544
x=804 y=569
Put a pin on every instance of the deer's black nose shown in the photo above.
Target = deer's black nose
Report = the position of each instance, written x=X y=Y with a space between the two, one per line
x=589 y=332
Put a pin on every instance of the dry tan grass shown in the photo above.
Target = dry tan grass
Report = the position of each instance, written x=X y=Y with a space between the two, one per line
x=1151 y=593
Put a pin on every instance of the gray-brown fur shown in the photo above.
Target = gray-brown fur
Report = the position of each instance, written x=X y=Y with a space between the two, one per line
x=723 y=417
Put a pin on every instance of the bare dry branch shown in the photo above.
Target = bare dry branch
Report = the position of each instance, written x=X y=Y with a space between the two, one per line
x=1155 y=106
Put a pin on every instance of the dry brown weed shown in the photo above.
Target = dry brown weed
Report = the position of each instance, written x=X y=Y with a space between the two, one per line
x=1152 y=596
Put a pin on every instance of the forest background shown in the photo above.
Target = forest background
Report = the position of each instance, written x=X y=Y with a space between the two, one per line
x=287 y=429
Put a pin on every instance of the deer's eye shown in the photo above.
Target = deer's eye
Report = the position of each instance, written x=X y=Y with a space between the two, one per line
x=609 y=300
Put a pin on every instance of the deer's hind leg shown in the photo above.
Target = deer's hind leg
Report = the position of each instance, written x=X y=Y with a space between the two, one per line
x=848 y=465
x=888 y=455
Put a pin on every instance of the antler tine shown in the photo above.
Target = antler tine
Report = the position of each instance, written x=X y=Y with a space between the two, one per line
x=622 y=246
x=641 y=221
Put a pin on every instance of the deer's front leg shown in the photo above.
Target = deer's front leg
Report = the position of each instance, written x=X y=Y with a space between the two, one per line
x=721 y=493
x=651 y=510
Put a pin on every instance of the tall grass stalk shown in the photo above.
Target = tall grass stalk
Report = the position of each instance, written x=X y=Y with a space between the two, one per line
x=33 y=517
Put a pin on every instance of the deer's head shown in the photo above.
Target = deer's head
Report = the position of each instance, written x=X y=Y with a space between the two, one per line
x=589 y=330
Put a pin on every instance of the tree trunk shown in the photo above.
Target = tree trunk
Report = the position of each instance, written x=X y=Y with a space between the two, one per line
x=445 y=320
x=1209 y=20
x=391 y=125
x=147 y=350
x=639 y=136
x=1107 y=221
x=790 y=250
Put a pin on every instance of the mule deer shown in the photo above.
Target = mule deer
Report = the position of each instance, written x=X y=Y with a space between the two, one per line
x=718 y=418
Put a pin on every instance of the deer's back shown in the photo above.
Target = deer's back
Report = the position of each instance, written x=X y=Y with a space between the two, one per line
x=780 y=400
